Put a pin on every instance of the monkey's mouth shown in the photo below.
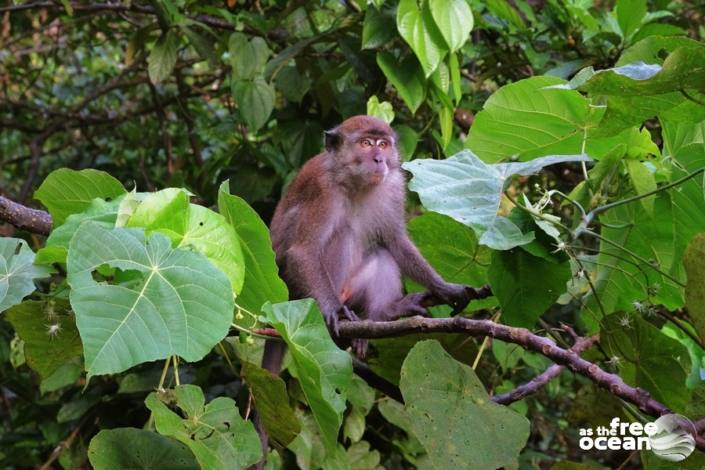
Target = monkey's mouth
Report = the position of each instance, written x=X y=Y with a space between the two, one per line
x=377 y=178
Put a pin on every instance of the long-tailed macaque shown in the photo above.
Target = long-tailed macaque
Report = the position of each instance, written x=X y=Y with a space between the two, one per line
x=339 y=232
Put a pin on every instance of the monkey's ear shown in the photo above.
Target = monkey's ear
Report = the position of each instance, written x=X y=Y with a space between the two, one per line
x=332 y=139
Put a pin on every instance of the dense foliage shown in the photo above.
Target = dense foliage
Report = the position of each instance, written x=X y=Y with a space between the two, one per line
x=555 y=149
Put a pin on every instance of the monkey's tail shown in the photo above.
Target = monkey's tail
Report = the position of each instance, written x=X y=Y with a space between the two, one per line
x=272 y=361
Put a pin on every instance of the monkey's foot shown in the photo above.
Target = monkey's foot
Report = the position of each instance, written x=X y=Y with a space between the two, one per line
x=408 y=306
x=359 y=347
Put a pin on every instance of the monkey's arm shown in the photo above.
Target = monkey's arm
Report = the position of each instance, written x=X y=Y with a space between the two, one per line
x=305 y=266
x=414 y=265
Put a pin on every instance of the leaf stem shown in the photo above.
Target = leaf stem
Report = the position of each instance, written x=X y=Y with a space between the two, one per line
x=485 y=342
x=160 y=387
x=176 y=370
x=634 y=255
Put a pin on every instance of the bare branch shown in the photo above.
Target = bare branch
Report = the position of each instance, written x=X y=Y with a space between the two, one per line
x=25 y=218
x=533 y=385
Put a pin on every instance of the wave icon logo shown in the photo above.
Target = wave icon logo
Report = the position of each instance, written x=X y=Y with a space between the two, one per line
x=673 y=439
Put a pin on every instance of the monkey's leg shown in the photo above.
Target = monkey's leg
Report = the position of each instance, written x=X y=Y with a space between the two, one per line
x=375 y=288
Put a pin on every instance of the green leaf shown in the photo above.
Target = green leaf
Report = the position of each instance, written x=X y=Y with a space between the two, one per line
x=255 y=99
x=323 y=370
x=408 y=140
x=215 y=433
x=647 y=358
x=417 y=27
x=56 y=247
x=382 y=110
x=470 y=191
x=65 y=192
x=138 y=449
x=247 y=58
x=452 y=414
x=17 y=272
x=454 y=20
x=682 y=70
x=176 y=302
x=407 y=77
x=502 y=9
x=378 y=28
x=272 y=404
x=629 y=15
x=163 y=56
x=643 y=181
x=526 y=285
x=694 y=262
x=463 y=261
x=262 y=282
x=195 y=227
x=46 y=350
x=527 y=119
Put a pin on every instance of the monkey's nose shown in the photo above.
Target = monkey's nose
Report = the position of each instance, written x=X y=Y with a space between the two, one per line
x=377 y=160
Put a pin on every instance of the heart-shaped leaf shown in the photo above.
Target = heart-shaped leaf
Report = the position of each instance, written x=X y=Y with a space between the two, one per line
x=417 y=27
x=171 y=301
x=454 y=20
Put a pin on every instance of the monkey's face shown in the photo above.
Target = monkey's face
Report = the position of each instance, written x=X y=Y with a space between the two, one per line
x=373 y=155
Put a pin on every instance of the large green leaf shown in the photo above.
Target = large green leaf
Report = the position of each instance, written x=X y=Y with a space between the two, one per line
x=17 y=272
x=323 y=370
x=56 y=247
x=647 y=358
x=527 y=119
x=272 y=404
x=419 y=30
x=255 y=100
x=470 y=191
x=406 y=76
x=262 y=282
x=138 y=449
x=66 y=192
x=454 y=20
x=694 y=262
x=163 y=56
x=172 y=301
x=526 y=285
x=452 y=414
x=247 y=57
x=45 y=349
x=190 y=226
x=215 y=433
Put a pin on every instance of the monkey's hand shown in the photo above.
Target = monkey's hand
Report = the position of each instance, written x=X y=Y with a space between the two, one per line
x=332 y=318
x=459 y=296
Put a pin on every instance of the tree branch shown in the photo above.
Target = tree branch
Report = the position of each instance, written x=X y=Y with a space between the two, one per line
x=25 y=218
x=521 y=336
x=532 y=386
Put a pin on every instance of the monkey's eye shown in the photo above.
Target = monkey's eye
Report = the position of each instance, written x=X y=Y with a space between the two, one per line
x=381 y=143
x=366 y=143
